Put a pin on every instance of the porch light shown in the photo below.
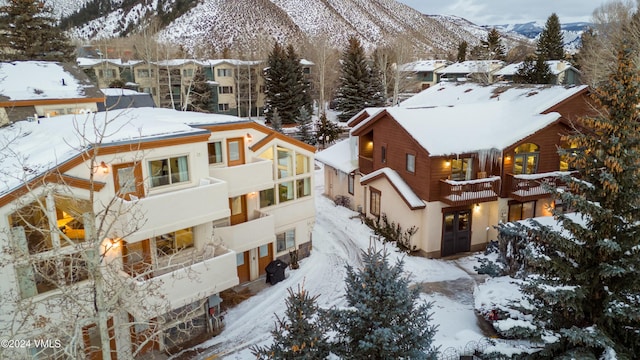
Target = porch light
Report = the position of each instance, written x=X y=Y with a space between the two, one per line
x=104 y=167
x=508 y=158
x=447 y=163
x=476 y=207
x=249 y=137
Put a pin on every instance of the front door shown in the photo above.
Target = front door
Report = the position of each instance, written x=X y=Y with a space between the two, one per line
x=456 y=232
x=238 y=207
x=235 y=151
x=127 y=179
x=265 y=255
x=242 y=260
x=136 y=258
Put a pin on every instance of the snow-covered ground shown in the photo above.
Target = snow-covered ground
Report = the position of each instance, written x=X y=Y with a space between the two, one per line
x=338 y=238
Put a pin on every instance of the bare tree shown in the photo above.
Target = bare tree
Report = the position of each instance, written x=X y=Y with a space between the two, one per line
x=324 y=75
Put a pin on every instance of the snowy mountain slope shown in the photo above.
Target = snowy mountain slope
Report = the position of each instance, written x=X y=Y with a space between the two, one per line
x=571 y=32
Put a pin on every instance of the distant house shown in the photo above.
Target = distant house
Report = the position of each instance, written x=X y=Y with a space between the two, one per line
x=455 y=160
x=471 y=70
x=125 y=99
x=30 y=89
x=562 y=71
x=105 y=71
x=422 y=73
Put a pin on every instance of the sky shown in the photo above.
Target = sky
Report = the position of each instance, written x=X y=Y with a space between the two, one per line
x=499 y=12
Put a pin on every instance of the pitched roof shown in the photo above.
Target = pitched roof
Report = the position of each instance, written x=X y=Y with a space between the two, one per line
x=338 y=156
x=44 y=80
x=423 y=65
x=405 y=191
x=471 y=66
x=555 y=66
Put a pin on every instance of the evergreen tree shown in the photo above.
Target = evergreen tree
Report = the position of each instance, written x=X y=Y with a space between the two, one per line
x=360 y=85
x=28 y=32
x=533 y=71
x=304 y=126
x=551 y=43
x=286 y=88
x=326 y=131
x=276 y=121
x=586 y=287
x=300 y=334
x=200 y=96
x=491 y=48
x=384 y=319
x=462 y=51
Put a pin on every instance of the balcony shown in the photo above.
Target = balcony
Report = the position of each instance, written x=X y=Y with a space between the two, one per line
x=162 y=213
x=534 y=186
x=242 y=179
x=249 y=234
x=181 y=286
x=365 y=164
x=462 y=193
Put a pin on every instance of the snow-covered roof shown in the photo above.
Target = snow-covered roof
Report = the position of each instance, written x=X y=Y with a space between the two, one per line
x=370 y=111
x=338 y=156
x=41 y=80
x=530 y=99
x=29 y=149
x=402 y=187
x=305 y=62
x=471 y=66
x=423 y=65
x=555 y=66
x=88 y=62
x=119 y=92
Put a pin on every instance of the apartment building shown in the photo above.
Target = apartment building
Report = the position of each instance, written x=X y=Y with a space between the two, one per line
x=456 y=159
x=145 y=214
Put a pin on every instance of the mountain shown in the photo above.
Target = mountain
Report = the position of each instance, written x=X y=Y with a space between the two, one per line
x=252 y=24
x=571 y=32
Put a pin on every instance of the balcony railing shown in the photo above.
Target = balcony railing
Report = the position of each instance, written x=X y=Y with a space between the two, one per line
x=459 y=193
x=181 y=286
x=241 y=179
x=365 y=164
x=534 y=186
x=162 y=213
x=247 y=235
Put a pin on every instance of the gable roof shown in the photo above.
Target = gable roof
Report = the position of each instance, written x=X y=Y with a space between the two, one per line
x=471 y=67
x=42 y=81
x=555 y=67
x=338 y=156
x=405 y=191
x=424 y=65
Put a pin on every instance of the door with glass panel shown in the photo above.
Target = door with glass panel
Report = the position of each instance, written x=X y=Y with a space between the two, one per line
x=238 y=207
x=127 y=179
x=242 y=259
x=235 y=151
x=456 y=232
x=265 y=255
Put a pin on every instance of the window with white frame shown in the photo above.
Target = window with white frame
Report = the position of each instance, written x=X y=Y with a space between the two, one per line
x=292 y=175
x=286 y=240
x=411 y=163
x=225 y=90
x=144 y=73
x=223 y=107
x=224 y=72
x=169 y=171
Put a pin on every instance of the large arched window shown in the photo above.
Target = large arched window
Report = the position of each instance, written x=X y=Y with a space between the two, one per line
x=526 y=159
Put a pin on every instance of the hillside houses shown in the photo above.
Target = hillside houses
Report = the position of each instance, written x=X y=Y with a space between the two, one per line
x=455 y=160
x=177 y=207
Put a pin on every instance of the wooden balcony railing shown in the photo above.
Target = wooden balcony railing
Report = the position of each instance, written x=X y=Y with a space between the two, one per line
x=533 y=186
x=365 y=164
x=460 y=193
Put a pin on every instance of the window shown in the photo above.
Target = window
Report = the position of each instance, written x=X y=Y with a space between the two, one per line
x=302 y=164
x=223 y=107
x=526 y=159
x=383 y=154
x=306 y=70
x=286 y=240
x=566 y=153
x=285 y=191
x=173 y=242
x=49 y=274
x=215 y=152
x=224 y=72
x=303 y=187
x=225 y=90
x=169 y=171
x=374 y=202
x=187 y=72
x=263 y=251
x=145 y=73
x=350 y=183
x=285 y=163
x=520 y=211
x=267 y=197
x=107 y=73
x=461 y=169
x=411 y=163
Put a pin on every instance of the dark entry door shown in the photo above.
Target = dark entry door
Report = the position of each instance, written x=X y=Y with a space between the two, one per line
x=456 y=232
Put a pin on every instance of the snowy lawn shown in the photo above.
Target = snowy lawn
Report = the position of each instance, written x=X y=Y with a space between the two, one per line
x=338 y=238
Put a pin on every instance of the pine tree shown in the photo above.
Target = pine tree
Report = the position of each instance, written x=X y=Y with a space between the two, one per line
x=385 y=319
x=200 y=96
x=28 y=32
x=533 y=71
x=462 y=51
x=326 y=131
x=586 y=285
x=491 y=48
x=551 y=43
x=360 y=85
x=304 y=126
x=286 y=88
x=300 y=334
x=276 y=121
